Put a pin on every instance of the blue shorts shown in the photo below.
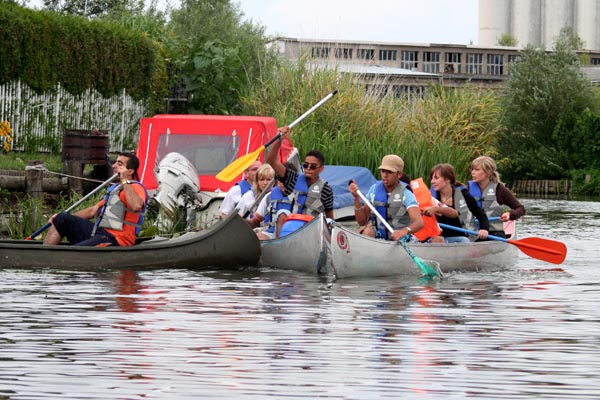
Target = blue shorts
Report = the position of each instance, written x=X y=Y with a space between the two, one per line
x=78 y=231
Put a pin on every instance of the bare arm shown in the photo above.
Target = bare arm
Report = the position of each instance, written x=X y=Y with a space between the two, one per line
x=272 y=156
x=416 y=224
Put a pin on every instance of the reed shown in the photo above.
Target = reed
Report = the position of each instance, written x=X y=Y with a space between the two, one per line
x=358 y=127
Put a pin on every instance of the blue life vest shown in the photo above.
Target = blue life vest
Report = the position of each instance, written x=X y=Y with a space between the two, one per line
x=391 y=207
x=278 y=201
x=488 y=203
x=305 y=201
x=244 y=186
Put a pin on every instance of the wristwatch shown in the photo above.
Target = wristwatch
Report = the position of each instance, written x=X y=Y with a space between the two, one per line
x=408 y=229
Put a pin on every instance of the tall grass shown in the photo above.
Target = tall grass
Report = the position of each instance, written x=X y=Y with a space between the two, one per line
x=357 y=128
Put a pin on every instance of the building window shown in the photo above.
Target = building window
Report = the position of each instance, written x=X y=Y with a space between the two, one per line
x=452 y=63
x=408 y=92
x=366 y=54
x=431 y=61
x=320 y=52
x=388 y=55
x=495 y=64
x=475 y=63
x=409 y=59
x=595 y=61
x=379 y=91
x=343 y=52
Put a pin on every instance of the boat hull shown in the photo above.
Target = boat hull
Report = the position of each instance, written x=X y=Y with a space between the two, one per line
x=228 y=243
x=355 y=255
x=305 y=250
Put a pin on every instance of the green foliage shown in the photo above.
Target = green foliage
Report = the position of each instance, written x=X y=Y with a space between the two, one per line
x=43 y=48
x=215 y=77
x=545 y=98
x=220 y=55
x=507 y=40
x=586 y=182
x=26 y=217
x=86 y=8
x=355 y=129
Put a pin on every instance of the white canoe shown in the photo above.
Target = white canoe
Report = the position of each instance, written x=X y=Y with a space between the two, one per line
x=355 y=255
x=305 y=249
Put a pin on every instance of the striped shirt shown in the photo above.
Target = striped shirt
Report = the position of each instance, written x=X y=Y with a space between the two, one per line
x=289 y=181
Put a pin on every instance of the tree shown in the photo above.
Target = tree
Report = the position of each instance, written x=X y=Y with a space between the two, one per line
x=86 y=8
x=545 y=96
x=507 y=40
x=221 y=55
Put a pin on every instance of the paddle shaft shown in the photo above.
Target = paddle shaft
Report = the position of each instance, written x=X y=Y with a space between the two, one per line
x=542 y=249
x=75 y=205
x=238 y=166
x=425 y=269
x=262 y=196
x=300 y=118
x=374 y=210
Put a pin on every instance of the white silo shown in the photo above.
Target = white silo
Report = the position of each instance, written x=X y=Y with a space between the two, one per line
x=586 y=12
x=556 y=14
x=526 y=18
x=494 y=21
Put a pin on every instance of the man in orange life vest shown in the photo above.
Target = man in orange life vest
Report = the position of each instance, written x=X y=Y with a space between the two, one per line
x=118 y=216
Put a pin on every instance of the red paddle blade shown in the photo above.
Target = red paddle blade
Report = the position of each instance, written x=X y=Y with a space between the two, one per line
x=543 y=249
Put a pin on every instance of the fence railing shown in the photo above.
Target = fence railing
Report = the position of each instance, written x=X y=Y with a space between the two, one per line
x=39 y=120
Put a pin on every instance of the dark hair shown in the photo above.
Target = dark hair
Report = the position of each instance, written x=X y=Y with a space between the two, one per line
x=317 y=154
x=132 y=163
x=446 y=171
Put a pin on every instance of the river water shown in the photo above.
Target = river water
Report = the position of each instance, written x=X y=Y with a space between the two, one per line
x=528 y=332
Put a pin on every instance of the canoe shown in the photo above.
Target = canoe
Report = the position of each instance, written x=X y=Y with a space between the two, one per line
x=304 y=250
x=228 y=243
x=356 y=255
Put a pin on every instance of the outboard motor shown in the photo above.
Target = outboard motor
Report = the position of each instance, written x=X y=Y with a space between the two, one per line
x=178 y=192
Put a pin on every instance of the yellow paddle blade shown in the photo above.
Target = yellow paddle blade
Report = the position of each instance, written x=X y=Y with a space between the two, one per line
x=234 y=169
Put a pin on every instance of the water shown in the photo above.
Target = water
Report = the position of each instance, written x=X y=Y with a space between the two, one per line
x=529 y=332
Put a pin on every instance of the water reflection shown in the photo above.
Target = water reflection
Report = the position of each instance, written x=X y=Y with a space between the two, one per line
x=531 y=331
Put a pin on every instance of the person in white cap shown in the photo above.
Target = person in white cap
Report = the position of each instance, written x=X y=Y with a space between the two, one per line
x=394 y=201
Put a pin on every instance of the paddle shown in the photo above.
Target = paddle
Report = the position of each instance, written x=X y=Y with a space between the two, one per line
x=234 y=169
x=548 y=250
x=428 y=268
x=77 y=204
x=259 y=198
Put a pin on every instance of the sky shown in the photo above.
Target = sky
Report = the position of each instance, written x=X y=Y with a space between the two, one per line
x=405 y=21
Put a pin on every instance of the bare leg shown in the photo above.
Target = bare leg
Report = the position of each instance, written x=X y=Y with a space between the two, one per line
x=280 y=220
x=367 y=230
x=52 y=237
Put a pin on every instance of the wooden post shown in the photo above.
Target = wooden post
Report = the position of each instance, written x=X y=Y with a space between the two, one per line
x=75 y=171
x=33 y=178
x=34 y=175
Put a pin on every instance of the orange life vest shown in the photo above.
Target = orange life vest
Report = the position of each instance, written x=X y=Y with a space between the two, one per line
x=425 y=200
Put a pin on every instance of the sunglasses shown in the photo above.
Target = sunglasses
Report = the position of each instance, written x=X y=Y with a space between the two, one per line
x=310 y=166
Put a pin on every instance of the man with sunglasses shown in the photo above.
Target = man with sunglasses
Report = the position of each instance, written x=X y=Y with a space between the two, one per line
x=233 y=196
x=310 y=194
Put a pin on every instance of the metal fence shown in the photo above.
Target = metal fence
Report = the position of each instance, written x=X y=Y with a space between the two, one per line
x=39 y=120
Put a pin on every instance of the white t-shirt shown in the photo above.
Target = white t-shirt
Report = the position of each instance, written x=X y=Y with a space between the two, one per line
x=232 y=198
x=263 y=207
x=246 y=202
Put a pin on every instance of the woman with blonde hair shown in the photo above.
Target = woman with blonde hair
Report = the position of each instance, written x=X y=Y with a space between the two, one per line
x=492 y=196
x=264 y=176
